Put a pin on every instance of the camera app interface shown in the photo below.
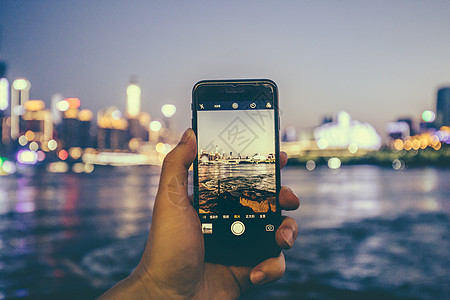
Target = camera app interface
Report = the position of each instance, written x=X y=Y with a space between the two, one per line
x=236 y=160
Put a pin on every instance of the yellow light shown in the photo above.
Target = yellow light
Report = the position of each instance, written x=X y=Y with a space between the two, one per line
x=85 y=115
x=155 y=126
x=4 y=93
x=88 y=168
x=78 y=168
x=34 y=105
x=21 y=84
x=168 y=110
x=134 y=144
x=71 y=113
x=437 y=146
x=415 y=144
x=133 y=100
x=30 y=135
x=58 y=167
x=398 y=144
x=75 y=152
x=160 y=147
x=423 y=143
x=52 y=144
x=408 y=145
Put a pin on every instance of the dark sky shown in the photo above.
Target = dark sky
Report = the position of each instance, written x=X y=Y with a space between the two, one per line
x=378 y=60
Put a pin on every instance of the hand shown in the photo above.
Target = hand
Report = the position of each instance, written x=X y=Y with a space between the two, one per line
x=173 y=266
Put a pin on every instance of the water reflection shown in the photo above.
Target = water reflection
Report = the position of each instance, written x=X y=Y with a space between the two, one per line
x=365 y=231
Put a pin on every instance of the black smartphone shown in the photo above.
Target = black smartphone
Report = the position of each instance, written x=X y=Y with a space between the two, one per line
x=237 y=169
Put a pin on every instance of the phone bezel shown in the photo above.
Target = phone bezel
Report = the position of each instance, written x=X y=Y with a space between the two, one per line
x=231 y=90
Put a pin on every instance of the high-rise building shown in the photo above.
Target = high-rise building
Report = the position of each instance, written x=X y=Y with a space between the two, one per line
x=20 y=92
x=133 y=100
x=443 y=107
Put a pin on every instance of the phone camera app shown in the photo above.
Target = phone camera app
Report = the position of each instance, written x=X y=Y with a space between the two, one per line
x=270 y=227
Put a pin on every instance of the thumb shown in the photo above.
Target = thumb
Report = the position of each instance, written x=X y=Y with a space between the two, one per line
x=174 y=174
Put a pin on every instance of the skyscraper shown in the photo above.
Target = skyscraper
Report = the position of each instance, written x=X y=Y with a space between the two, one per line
x=133 y=100
x=443 y=107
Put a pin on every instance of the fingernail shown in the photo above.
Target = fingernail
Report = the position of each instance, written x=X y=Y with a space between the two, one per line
x=185 y=136
x=257 y=277
x=288 y=236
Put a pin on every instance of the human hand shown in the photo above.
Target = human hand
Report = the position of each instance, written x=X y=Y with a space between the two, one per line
x=173 y=266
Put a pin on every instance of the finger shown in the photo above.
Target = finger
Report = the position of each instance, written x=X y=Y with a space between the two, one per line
x=287 y=233
x=283 y=159
x=288 y=199
x=174 y=173
x=269 y=270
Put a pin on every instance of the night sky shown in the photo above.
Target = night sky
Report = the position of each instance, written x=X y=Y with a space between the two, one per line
x=378 y=60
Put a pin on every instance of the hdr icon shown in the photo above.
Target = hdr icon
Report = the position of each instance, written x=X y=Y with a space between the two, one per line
x=270 y=227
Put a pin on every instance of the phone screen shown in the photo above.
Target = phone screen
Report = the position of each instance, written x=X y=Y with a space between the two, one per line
x=236 y=160
x=236 y=173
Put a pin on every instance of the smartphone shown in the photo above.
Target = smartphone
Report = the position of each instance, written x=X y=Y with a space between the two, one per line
x=237 y=169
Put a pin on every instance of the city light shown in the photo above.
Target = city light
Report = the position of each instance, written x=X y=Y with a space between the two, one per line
x=30 y=135
x=133 y=100
x=334 y=163
x=63 y=155
x=9 y=167
x=34 y=105
x=57 y=167
x=353 y=148
x=428 y=116
x=155 y=126
x=62 y=105
x=23 y=140
x=310 y=165
x=52 y=144
x=168 y=110
x=398 y=164
x=21 y=84
x=4 y=93
x=345 y=131
x=74 y=103
x=85 y=115
x=33 y=146
x=27 y=157
x=116 y=114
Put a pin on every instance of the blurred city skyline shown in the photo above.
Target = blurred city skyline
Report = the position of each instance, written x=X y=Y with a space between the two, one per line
x=378 y=61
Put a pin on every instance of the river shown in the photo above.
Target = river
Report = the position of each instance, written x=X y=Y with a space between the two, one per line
x=366 y=232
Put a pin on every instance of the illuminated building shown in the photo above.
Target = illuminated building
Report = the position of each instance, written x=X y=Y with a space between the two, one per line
x=75 y=128
x=36 y=125
x=112 y=130
x=443 y=107
x=344 y=132
x=398 y=130
x=4 y=101
x=4 y=94
x=133 y=100
x=20 y=91
x=56 y=112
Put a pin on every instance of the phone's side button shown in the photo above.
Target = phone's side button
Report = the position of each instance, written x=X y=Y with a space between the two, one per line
x=237 y=228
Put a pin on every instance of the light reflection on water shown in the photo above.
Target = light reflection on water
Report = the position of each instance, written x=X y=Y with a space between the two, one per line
x=364 y=229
